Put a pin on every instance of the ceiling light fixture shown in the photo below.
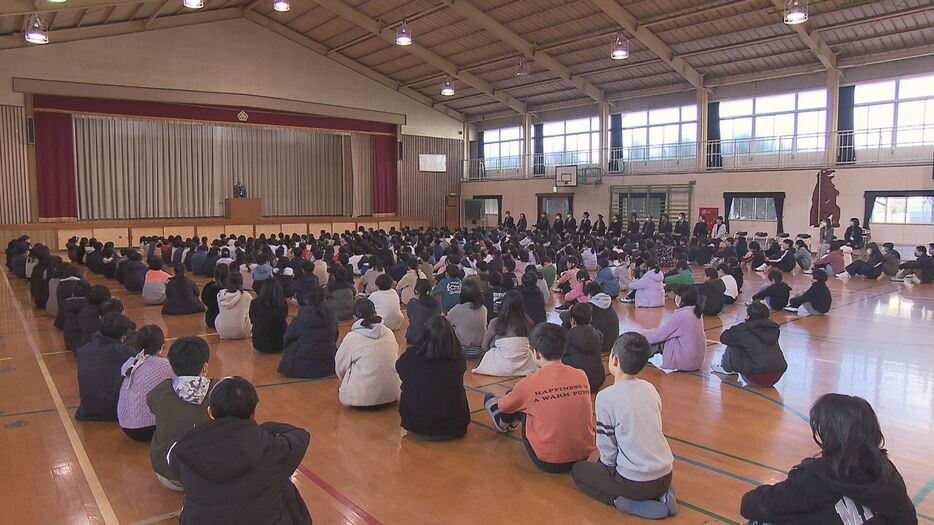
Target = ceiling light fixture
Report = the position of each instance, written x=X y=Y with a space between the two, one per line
x=193 y=4
x=35 y=30
x=796 y=12
x=56 y=1
x=523 y=69
x=281 y=6
x=447 y=90
x=620 y=48
x=403 y=35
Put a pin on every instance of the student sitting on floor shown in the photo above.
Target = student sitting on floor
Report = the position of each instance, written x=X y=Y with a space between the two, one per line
x=607 y=278
x=179 y=403
x=775 y=294
x=134 y=272
x=71 y=309
x=154 y=286
x=731 y=287
x=755 y=257
x=584 y=344
x=209 y=294
x=871 y=268
x=141 y=373
x=236 y=471
x=341 y=294
x=891 y=259
x=89 y=318
x=99 y=364
x=533 y=296
x=920 y=270
x=568 y=279
x=233 y=319
x=680 y=339
x=802 y=255
x=310 y=340
x=386 y=301
x=506 y=342
x=420 y=309
x=469 y=320
x=816 y=300
x=448 y=288
x=711 y=293
x=852 y=480
x=268 y=314
x=832 y=263
x=635 y=465
x=576 y=294
x=752 y=349
x=557 y=430
x=70 y=280
x=365 y=361
x=785 y=261
x=649 y=289
x=406 y=285
x=679 y=277
x=433 y=404
x=181 y=294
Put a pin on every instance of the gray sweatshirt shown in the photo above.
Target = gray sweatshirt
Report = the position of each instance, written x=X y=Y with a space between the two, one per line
x=629 y=431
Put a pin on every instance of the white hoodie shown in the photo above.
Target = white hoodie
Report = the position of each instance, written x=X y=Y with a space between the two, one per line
x=366 y=366
x=233 y=321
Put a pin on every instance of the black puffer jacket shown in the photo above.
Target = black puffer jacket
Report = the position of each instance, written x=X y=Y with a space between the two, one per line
x=181 y=297
x=134 y=275
x=268 y=326
x=99 y=377
x=752 y=347
x=71 y=327
x=66 y=288
x=811 y=492
x=310 y=344
x=89 y=322
x=237 y=472
x=583 y=352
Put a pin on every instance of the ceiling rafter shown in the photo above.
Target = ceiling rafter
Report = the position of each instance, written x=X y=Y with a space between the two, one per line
x=362 y=20
x=155 y=14
x=650 y=40
x=363 y=38
x=500 y=31
x=814 y=42
x=317 y=47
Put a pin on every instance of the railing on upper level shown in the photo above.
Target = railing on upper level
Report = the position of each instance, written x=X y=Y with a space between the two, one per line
x=875 y=147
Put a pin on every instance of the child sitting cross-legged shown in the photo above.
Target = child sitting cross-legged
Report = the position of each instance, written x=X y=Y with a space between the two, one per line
x=553 y=404
x=635 y=462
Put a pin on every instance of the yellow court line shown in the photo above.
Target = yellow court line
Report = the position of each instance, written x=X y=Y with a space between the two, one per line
x=97 y=490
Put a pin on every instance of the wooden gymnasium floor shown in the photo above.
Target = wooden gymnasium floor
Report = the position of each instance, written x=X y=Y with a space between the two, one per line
x=878 y=343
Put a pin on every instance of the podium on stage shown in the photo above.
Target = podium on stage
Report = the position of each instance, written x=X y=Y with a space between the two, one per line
x=243 y=209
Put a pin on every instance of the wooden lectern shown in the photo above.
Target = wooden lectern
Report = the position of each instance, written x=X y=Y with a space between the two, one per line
x=243 y=209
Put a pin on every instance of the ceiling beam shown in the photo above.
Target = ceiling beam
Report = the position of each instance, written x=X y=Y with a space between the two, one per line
x=25 y=7
x=362 y=20
x=317 y=47
x=500 y=31
x=815 y=43
x=650 y=40
x=155 y=14
x=123 y=28
x=411 y=18
x=251 y=5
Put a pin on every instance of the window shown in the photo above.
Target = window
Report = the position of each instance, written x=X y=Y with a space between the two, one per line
x=903 y=210
x=894 y=112
x=575 y=141
x=664 y=133
x=502 y=148
x=788 y=122
x=753 y=209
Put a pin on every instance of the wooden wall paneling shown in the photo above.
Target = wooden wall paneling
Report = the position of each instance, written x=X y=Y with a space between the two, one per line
x=185 y=231
x=386 y=225
x=368 y=224
x=119 y=236
x=149 y=231
x=239 y=229
x=422 y=193
x=211 y=232
x=268 y=229
x=337 y=227
x=64 y=235
x=295 y=227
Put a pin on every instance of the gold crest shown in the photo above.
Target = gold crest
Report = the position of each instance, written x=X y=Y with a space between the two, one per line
x=242 y=116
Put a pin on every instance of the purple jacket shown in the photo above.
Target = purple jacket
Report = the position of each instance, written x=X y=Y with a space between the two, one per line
x=685 y=343
x=650 y=290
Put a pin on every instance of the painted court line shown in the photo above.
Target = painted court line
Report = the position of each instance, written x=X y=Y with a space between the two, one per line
x=56 y=353
x=97 y=490
x=161 y=517
x=361 y=513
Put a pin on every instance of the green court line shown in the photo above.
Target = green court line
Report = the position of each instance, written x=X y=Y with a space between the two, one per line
x=926 y=517
x=161 y=517
x=718 y=470
x=923 y=493
x=499 y=382
x=707 y=513
x=27 y=412
x=295 y=382
x=726 y=454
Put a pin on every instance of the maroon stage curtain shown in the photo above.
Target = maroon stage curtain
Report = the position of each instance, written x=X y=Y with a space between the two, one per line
x=385 y=199
x=55 y=166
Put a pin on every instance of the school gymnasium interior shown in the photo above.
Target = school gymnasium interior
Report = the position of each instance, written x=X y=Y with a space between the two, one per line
x=122 y=119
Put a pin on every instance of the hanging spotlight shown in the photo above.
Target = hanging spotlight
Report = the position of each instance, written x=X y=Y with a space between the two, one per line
x=281 y=6
x=193 y=4
x=620 y=48
x=447 y=90
x=56 y=1
x=523 y=69
x=35 y=30
x=796 y=12
x=403 y=35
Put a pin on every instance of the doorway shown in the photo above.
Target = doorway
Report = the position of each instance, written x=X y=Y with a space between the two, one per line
x=555 y=203
x=492 y=209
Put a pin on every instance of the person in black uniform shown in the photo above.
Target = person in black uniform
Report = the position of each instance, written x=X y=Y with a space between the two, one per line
x=648 y=229
x=239 y=190
x=633 y=227
x=700 y=229
x=682 y=228
x=558 y=225
x=543 y=225
x=599 y=227
x=585 y=226
x=664 y=226
x=508 y=222
x=523 y=223
x=570 y=224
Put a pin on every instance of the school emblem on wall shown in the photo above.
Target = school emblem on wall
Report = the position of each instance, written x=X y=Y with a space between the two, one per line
x=243 y=116
x=824 y=200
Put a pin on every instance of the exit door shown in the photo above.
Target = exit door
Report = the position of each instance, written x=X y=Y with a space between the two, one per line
x=555 y=203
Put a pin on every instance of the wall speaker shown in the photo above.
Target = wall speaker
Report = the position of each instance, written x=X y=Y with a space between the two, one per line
x=30 y=130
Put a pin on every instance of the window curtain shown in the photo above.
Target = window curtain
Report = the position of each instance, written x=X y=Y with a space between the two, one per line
x=361 y=159
x=538 y=148
x=714 y=159
x=385 y=175
x=846 y=150
x=778 y=198
x=14 y=180
x=870 y=200
x=55 y=166
x=616 y=143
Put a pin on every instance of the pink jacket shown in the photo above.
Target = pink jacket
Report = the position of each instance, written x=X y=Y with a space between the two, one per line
x=577 y=293
x=650 y=289
x=683 y=336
